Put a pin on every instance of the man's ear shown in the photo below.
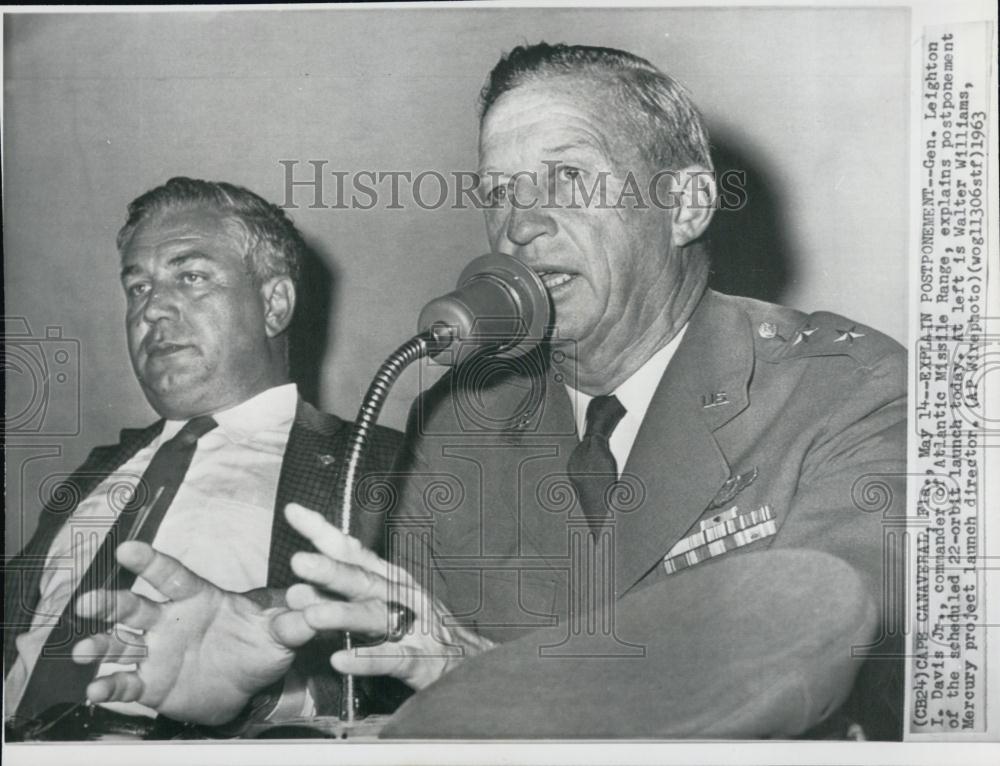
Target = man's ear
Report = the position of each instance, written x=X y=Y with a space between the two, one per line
x=278 y=294
x=695 y=204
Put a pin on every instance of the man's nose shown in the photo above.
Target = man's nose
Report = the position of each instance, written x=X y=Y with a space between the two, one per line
x=529 y=217
x=161 y=303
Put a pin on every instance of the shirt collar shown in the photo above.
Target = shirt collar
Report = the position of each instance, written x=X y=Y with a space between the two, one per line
x=270 y=410
x=636 y=392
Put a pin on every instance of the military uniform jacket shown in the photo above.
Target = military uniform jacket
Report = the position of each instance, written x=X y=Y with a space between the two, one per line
x=770 y=427
x=309 y=476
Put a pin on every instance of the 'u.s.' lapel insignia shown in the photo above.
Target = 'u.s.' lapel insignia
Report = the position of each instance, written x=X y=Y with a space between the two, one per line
x=714 y=399
x=733 y=486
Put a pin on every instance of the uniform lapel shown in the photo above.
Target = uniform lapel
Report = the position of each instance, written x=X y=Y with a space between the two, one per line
x=675 y=457
x=308 y=477
x=546 y=499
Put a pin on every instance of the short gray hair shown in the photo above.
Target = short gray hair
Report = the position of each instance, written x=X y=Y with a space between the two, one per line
x=274 y=247
x=657 y=109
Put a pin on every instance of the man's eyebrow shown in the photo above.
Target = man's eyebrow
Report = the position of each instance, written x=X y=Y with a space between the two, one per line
x=177 y=261
x=585 y=145
x=489 y=175
x=194 y=255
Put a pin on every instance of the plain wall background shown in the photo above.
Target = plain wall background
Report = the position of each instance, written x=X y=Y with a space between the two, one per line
x=98 y=108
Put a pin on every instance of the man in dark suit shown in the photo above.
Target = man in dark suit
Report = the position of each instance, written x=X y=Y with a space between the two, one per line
x=209 y=272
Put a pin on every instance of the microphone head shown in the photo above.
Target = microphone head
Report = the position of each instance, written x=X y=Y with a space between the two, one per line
x=499 y=306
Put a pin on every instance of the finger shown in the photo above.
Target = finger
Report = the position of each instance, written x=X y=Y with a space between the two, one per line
x=347 y=579
x=169 y=576
x=381 y=660
x=124 y=686
x=331 y=541
x=291 y=629
x=301 y=595
x=369 y=617
x=119 y=646
x=119 y=606
x=335 y=544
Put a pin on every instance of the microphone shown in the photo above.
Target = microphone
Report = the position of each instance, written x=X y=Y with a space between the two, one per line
x=499 y=306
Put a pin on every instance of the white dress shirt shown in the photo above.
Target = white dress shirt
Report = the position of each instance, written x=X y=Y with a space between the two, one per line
x=635 y=394
x=218 y=525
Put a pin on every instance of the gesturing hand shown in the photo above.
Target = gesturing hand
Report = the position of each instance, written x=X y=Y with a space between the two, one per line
x=202 y=654
x=374 y=590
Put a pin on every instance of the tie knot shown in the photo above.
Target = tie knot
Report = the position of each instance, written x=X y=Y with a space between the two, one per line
x=195 y=428
x=603 y=414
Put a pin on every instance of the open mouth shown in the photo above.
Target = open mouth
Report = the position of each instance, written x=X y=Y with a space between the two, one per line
x=554 y=279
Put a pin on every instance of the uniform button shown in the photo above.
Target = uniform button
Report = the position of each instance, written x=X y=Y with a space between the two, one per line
x=767 y=329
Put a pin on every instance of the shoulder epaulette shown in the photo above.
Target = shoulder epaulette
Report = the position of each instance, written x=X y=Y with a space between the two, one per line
x=787 y=334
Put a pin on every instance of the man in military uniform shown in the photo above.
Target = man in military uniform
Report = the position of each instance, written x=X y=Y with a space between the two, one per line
x=670 y=521
x=740 y=433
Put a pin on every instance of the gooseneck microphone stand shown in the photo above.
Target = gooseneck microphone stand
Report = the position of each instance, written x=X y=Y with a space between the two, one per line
x=499 y=306
x=424 y=344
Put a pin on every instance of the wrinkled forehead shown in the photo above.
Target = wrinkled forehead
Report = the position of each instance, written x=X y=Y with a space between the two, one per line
x=183 y=228
x=580 y=108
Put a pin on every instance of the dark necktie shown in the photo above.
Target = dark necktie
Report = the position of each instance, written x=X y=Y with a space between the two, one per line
x=56 y=678
x=592 y=467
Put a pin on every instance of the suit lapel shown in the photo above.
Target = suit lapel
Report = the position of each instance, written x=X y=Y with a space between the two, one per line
x=101 y=463
x=308 y=477
x=23 y=573
x=675 y=455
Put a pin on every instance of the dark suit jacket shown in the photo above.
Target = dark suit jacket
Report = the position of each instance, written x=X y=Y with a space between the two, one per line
x=309 y=476
x=761 y=405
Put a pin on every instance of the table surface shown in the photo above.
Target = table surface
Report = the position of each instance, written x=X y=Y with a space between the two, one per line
x=320 y=727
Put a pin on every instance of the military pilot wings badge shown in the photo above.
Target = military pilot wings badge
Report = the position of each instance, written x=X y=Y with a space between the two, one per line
x=733 y=486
